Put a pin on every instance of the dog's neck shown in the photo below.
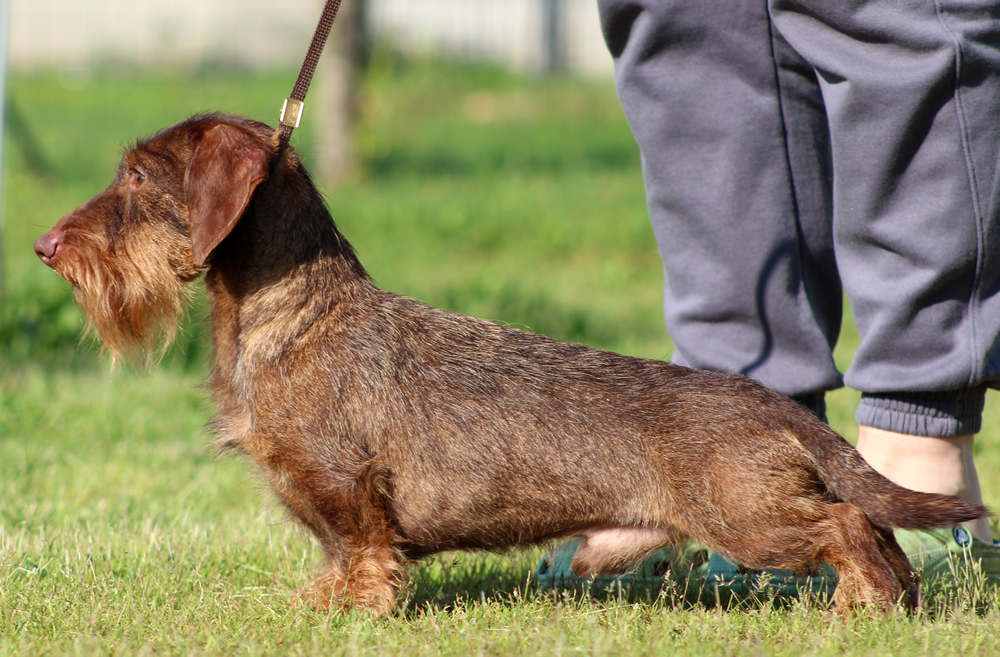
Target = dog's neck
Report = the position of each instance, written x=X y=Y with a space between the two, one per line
x=285 y=249
x=285 y=232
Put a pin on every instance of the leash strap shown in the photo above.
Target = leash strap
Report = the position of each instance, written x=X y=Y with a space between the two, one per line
x=291 y=111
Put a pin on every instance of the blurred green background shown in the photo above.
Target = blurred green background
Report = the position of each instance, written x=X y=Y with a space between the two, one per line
x=509 y=198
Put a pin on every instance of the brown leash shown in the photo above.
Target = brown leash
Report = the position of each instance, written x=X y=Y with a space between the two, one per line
x=291 y=111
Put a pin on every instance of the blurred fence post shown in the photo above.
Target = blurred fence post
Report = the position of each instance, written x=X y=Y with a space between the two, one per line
x=4 y=31
x=553 y=39
x=339 y=106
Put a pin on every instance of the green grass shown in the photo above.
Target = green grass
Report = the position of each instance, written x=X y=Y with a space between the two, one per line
x=514 y=199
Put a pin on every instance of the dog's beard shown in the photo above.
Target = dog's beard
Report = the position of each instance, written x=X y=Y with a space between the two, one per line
x=132 y=303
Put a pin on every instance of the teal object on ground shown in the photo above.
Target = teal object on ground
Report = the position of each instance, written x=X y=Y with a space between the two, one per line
x=682 y=568
x=943 y=553
x=728 y=584
x=715 y=581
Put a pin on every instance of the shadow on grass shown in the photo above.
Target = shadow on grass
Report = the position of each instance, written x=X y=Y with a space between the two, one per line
x=455 y=581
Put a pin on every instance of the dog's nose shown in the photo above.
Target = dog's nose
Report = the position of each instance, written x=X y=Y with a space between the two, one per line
x=46 y=247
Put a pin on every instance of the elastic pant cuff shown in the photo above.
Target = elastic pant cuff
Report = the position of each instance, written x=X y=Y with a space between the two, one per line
x=939 y=414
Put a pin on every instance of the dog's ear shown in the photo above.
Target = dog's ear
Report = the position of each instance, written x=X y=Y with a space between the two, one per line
x=225 y=168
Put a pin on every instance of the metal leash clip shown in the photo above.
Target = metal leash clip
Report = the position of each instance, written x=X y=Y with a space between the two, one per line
x=291 y=112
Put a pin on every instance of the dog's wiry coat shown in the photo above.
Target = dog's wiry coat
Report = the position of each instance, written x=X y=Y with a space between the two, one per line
x=393 y=430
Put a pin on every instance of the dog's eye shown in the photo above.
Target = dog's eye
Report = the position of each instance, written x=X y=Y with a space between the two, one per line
x=138 y=178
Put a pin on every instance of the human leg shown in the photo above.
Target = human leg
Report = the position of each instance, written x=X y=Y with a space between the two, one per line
x=911 y=96
x=731 y=129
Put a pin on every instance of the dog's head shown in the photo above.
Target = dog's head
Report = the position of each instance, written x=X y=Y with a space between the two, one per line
x=175 y=197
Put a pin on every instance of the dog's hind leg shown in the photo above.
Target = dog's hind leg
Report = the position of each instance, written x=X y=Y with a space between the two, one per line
x=865 y=575
x=900 y=565
x=869 y=572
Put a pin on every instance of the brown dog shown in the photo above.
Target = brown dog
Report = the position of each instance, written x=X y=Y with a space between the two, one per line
x=394 y=430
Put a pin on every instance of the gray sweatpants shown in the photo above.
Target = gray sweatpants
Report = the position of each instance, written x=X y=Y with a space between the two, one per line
x=793 y=151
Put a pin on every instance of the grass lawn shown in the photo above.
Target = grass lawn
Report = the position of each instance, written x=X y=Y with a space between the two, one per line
x=514 y=199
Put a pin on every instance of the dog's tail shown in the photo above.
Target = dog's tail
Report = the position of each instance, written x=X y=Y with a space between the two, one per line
x=888 y=505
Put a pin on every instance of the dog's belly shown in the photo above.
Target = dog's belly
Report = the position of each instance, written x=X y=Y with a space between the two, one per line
x=508 y=513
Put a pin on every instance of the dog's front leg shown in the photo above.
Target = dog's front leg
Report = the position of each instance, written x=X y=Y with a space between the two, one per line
x=364 y=568
x=366 y=576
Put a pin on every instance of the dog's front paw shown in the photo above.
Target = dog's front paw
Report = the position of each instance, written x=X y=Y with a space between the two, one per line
x=331 y=591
